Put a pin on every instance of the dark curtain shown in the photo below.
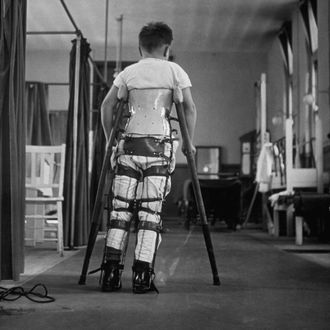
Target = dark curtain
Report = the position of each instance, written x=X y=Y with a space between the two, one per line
x=285 y=38
x=58 y=122
x=38 y=126
x=12 y=137
x=81 y=217
x=308 y=11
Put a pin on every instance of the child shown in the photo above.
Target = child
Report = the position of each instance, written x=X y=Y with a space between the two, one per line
x=145 y=154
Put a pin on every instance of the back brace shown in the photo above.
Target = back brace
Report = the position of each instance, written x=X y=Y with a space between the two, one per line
x=148 y=131
x=149 y=112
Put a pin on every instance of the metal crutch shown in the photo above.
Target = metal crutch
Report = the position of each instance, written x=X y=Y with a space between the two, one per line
x=197 y=190
x=99 y=199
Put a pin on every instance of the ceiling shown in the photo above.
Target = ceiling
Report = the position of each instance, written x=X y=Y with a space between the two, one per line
x=198 y=25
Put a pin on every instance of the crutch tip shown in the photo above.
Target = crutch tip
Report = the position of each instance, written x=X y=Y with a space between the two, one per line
x=82 y=280
x=216 y=280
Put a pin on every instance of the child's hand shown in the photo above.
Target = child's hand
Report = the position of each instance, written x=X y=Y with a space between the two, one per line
x=122 y=93
x=177 y=95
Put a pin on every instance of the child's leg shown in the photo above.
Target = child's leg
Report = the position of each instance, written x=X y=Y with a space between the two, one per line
x=154 y=190
x=124 y=193
x=156 y=185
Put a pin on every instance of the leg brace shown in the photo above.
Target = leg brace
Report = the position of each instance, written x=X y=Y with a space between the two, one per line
x=150 y=158
x=124 y=192
x=156 y=184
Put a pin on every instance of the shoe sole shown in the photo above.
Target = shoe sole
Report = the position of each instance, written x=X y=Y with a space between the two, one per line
x=110 y=288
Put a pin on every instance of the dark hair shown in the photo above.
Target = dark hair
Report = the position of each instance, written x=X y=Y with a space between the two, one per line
x=154 y=35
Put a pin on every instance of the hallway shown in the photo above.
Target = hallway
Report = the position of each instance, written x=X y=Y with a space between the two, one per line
x=262 y=287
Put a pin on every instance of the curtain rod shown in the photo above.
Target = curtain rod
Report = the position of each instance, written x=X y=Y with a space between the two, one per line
x=78 y=31
x=58 y=83
x=50 y=32
x=66 y=110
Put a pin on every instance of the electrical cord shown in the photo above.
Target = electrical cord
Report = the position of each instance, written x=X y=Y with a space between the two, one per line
x=17 y=292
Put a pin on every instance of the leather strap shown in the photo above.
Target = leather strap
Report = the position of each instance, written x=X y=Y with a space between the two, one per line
x=145 y=146
x=156 y=171
x=120 y=224
x=148 y=225
x=128 y=171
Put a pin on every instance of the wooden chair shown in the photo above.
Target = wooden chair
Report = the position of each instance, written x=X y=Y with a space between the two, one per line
x=44 y=194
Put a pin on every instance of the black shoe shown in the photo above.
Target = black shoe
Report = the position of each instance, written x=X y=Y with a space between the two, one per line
x=111 y=276
x=143 y=276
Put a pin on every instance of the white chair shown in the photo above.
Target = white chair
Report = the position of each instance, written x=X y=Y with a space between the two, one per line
x=44 y=194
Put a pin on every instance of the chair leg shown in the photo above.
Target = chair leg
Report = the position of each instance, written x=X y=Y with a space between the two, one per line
x=299 y=230
x=60 y=229
x=34 y=236
x=30 y=227
x=34 y=243
x=276 y=221
x=289 y=221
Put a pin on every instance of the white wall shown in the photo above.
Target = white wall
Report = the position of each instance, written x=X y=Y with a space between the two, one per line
x=275 y=88
x=223 y=90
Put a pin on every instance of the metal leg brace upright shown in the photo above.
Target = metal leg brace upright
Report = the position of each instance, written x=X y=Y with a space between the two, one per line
x=197 y=192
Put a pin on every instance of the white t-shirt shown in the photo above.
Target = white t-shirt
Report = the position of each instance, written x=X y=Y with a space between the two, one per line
x=153 y=73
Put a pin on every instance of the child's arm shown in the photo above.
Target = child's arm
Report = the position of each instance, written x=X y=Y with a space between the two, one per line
x=107 y=108
x=190 y=114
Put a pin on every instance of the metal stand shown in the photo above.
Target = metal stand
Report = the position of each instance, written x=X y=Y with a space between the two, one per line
x=251 y=205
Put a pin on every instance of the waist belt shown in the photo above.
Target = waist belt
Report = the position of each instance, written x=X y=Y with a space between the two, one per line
x=145 y=146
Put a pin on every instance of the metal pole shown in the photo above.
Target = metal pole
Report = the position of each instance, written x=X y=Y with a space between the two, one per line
x=197 y=192
x=263 y=104
x=97 y=71
x=50 y=32
x=257 y=102
x=101 y=190
x=62 y=83
x=308 y=142
x=80 y=33
x=251 y=205
x=119 y=43
x=57 y=83
x=106 y=41
x=69 y=15
x=317 y=125
x=75 y=135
